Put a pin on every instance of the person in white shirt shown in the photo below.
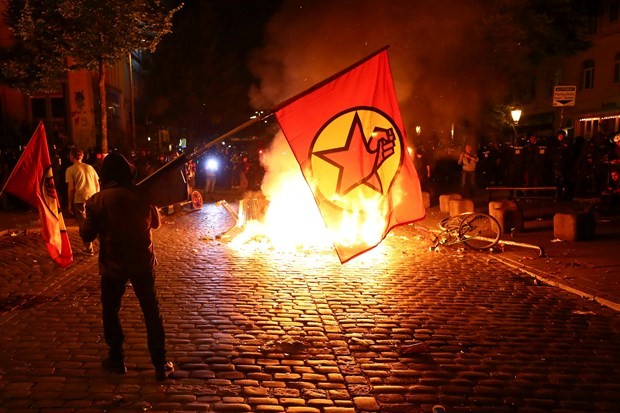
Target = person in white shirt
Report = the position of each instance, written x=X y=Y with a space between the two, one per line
x=468 y=161
x=82 y=183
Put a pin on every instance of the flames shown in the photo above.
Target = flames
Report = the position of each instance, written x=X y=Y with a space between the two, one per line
x=292 y=220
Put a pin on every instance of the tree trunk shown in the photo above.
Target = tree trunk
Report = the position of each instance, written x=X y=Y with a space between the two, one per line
x=132 y=143
x=103 y=108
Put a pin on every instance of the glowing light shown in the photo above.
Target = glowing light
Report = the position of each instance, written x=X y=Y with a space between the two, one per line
x=599 y=118
x=211 y=165
x=516 y=115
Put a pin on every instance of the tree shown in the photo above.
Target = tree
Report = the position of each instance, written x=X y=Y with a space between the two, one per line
x=54 y=36
x=517 y=36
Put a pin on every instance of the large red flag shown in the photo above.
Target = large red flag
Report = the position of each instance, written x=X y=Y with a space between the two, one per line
x=348 y=138
x=33 y=182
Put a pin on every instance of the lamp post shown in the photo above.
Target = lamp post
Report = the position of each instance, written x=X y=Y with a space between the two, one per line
x=132 y=103
x=516 y=115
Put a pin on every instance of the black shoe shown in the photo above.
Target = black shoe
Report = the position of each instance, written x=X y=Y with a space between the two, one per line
x=114 y=365
x=164 y=372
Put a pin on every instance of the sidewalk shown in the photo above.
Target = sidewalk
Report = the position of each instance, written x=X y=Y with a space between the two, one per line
x=590 y=269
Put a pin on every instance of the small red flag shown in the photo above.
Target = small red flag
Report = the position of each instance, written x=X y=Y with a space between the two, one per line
x=349 y=140
x=32 y=181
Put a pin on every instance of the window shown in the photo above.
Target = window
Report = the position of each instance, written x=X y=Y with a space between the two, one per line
x=48 y=107
x=613 y=11
x=591 y=25
x=52 y=110
x=587 y=74
x=37 y=106
x=617 y=68
x=58 y=107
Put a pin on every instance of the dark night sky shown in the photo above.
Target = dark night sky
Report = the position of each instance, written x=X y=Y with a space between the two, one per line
x=446 y=63
x=200 y=77
x=289 y=45
x=436 y=54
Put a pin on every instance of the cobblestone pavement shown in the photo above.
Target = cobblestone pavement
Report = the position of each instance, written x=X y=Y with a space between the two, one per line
x=262 y=330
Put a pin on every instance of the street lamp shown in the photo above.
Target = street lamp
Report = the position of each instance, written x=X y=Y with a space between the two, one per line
x=516 y=115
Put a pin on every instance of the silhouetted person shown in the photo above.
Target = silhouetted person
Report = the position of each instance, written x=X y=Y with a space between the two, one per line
x=535 y=162
x=422 y=167
x=561 y=159
x=122 y=218
x=611 y=194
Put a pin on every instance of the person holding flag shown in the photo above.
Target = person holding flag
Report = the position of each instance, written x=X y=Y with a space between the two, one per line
x=122 y=218
x=32 y=181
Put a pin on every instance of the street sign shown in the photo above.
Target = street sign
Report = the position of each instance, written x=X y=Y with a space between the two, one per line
x=564 y=95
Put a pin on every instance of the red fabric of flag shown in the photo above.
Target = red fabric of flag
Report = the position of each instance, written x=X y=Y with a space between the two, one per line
x=32 y=181
x=349 y=140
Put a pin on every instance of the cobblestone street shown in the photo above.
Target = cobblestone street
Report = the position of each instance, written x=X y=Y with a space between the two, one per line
x=255 y=329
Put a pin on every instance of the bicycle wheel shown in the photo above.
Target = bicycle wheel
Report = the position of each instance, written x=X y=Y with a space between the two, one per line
x=450 y=223
x=480 y=231
x=196 y=200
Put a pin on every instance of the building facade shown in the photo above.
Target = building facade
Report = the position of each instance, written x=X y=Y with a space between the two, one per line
x=71 y=115
x=595 y=74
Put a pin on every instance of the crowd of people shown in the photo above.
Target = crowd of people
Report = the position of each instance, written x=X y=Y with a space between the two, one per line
x=221 y=167
x=576 y=167
x=228 y=167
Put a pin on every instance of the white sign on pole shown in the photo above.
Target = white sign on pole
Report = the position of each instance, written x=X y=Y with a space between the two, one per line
x=564 y=95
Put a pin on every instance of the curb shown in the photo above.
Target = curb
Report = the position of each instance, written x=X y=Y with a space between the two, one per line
x=549 y=279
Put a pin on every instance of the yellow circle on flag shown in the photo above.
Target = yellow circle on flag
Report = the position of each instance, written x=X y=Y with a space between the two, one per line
x=356 y=156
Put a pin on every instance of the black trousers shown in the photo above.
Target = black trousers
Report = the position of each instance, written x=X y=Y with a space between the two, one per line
x=112 y=291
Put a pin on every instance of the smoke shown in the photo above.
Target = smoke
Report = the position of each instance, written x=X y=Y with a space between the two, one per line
x=282 y=165
x=437 y=53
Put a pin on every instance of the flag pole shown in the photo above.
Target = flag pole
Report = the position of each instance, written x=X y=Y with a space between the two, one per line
x=183 y=158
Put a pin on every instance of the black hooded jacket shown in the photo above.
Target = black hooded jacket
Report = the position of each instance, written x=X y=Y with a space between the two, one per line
x=122 y=218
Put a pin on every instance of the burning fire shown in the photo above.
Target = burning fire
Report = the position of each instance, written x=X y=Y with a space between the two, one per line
x=292 y=219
